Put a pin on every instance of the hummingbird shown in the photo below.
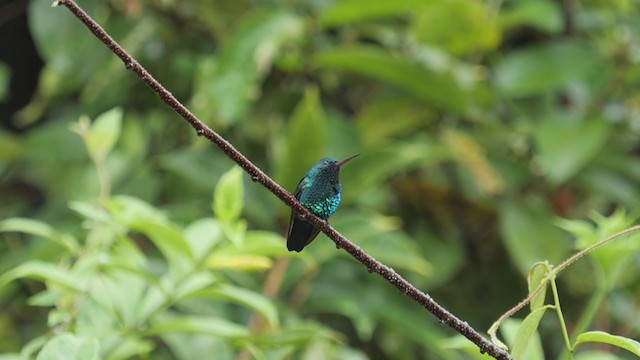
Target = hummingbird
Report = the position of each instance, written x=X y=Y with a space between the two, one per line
x=320 y=191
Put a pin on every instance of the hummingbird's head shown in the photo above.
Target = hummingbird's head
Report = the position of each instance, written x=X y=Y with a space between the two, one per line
x=332 y=164
x=328 y=166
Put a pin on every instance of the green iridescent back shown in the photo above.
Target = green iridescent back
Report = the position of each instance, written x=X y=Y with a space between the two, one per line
x=320 y=190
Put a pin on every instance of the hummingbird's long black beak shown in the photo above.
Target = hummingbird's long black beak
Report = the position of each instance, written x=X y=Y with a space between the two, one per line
x=342 y=162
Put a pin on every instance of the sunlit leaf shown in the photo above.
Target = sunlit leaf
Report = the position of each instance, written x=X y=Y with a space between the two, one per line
x=142 y=217
x=545 y=15
x=248 y=298
x=352 y=10
x=459 y=26
x=37 y=228
x=104 y=133
x=535 y=277
x=622 y=342
x=228 y=199
x=239 y=262
x=44 y=272
x=438 y=87
x=202 y=324
x=526 y=333
x=70 y=347
x=511 y=330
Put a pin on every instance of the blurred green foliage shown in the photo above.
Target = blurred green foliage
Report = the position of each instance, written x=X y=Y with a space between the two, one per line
x=490 y=132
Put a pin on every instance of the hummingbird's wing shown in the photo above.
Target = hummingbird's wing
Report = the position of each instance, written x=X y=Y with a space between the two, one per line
x=300 y=232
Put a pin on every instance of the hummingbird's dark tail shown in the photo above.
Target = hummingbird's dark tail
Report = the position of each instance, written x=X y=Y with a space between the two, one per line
x=301 y=233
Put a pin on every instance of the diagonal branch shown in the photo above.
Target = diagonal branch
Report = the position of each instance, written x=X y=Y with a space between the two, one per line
x=258 y=175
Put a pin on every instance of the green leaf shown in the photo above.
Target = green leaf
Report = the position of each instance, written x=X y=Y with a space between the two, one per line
x=547 y=67
x=91 y=211
x=70 y=347
x=373 y=122
x=304 y=140
x=567 y=145
x=104 y=133
x=545 y=15
x=526 y=334
x=243 y=262
x=296 y=335
x=203 y=235
x=38 y=228
x=438 y=87
x=262 y=243
x=250 y=299
x=45 y=272
x=129 y=347
x=459 y=26
x=201 y=324
x=529 y=235
x=535 y=277
x=511 y=330
x=228 y=198
x=622 y=342
x=51 y=36
x=352 y=10
x=140 y=216
x=232 y=84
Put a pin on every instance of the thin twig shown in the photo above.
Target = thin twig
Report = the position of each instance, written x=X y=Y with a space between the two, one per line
x=259 y=176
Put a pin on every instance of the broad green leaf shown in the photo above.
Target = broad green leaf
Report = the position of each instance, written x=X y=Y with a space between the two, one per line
x=55 y=50
x=130 y=347
x=196 y=282
x=511 y=330
x=545 y=15
x=202 y=324
x=530 y=236
x=70 y=347
x=239 y=262
x=261 y=243
x=438 y=87
x=38 y=228
x=233 y=82
x=104 y=133
x=91 y=211
x=526 y=334
x=304 y=140
x=248 y=298
x=566 y=145
x=203 y=235
x=459 y=26
x=547 y=67
x=45 y=272
x=140 y=216
x=595 y=355
x=296 y=335
x=535 y=277
x=407 y=114
x=228 y=198
x=622 y=342
x=352 y=10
